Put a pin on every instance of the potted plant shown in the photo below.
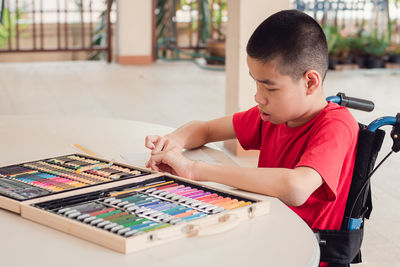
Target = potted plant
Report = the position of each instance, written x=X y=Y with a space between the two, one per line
x=332 y=35
x=356 y=46
x=342 y=50
x=374 y=48
x=215 y=45
x=338 y=47
x=8 y=22
x=393 y=51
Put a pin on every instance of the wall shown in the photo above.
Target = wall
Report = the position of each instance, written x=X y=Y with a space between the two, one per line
x=134 y=32
x=243 y=18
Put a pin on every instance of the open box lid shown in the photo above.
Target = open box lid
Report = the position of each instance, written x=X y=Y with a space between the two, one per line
x=44 y=178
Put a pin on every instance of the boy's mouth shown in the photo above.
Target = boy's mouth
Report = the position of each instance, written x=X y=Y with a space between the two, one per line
x=264 y=116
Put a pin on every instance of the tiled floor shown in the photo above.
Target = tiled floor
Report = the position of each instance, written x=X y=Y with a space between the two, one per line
x=174 y=93
x=164 y=93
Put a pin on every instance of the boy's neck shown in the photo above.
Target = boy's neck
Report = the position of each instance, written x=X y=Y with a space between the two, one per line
x=315 y=108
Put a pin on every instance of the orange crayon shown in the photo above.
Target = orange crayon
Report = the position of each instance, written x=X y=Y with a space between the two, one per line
x=227 y=203
x=188 y=213
x=220 y=200
x=235 y=205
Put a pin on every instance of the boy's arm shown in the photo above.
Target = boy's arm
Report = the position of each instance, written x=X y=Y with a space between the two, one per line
x=291 y=186
x=192 y=135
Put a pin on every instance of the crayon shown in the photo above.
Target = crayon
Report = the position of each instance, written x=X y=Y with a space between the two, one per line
x=135 y=222
x=154 y=227
x=144 y=224
x=139 y=189
x=101 y=211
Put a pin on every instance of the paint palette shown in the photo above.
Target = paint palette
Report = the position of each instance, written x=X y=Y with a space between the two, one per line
x=118 y=206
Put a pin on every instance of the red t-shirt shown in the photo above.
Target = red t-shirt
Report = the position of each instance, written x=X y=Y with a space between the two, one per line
x=327 y=144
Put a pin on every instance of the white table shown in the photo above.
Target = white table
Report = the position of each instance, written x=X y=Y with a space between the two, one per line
x=279 y=238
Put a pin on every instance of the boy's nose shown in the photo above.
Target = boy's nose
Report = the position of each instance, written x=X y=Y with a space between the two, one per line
x=259 y=99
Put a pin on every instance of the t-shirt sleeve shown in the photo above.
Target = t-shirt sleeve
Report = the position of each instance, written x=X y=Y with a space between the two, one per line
x=247 y=126
x=326 y=152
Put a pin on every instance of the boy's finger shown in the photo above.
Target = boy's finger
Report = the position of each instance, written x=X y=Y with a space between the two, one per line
x=150 y=140
x=167 y=145
x=154 y=165
x=159 y=146
x=155 y=168
x=149 y=146
x=150 y=164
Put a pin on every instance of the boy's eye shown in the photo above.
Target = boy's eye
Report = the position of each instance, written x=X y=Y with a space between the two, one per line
x=268 y=89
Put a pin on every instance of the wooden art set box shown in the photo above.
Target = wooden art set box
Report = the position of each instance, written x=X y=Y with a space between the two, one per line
x=118 y=206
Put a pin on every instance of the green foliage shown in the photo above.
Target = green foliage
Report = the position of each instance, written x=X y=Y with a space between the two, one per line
x=332 y=35
x=361 y=44
x=167 y=46
x=374 y=45
x=8 y=28
x=99 y=37
x=162 y=11
x=1 y=10
x=205 y=21
x=356 y=44
x=393 y=49
x=206 y=18
x=338 y=46
x=217 y=18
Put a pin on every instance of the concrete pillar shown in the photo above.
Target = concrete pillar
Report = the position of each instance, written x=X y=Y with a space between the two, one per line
x=243 y=18
x=134 y=32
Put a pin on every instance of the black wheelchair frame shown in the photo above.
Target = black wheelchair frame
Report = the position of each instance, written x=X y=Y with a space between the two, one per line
x=341 y=247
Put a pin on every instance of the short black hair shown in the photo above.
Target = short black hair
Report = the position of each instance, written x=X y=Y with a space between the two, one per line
x=293 y=38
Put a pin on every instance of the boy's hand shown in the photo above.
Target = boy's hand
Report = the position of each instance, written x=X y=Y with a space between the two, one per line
x=173 y=162
x=158 y=143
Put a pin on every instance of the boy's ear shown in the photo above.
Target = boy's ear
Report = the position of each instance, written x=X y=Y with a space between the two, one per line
x=312 y=81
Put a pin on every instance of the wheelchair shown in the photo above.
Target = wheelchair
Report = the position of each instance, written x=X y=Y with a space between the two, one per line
x=341 y=247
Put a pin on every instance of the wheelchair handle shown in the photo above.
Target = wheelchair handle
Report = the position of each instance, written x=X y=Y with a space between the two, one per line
x=395 y=133
x=352 y=102
x=379 y=122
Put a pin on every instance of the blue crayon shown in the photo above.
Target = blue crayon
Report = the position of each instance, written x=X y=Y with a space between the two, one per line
x=168 y=211
x=142 y=202
x=150 y=204
x=157 y=205
x=166 y=206
x=135 y=197
x=144 y=205
x=179 y=211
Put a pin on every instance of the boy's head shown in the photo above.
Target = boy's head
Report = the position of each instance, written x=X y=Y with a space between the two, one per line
x=293 y=40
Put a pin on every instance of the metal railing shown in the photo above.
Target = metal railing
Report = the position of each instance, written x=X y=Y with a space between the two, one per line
x=65 y=20
x=353 y=16
x=184 y=28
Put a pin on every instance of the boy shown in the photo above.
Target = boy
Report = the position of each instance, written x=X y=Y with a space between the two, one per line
x=307 y=146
